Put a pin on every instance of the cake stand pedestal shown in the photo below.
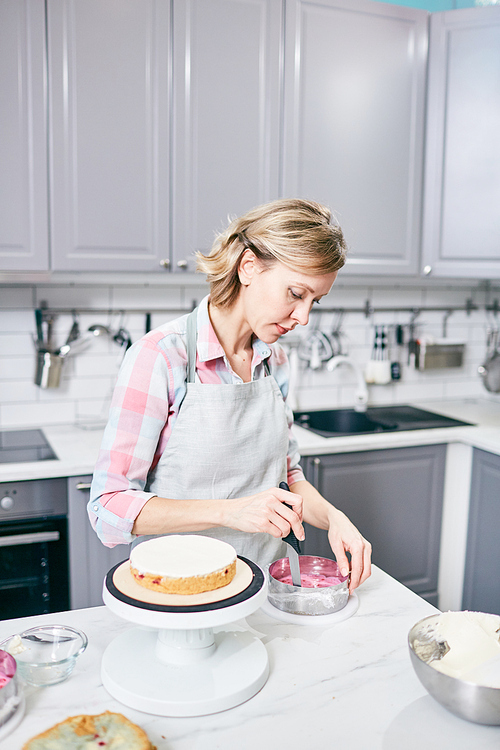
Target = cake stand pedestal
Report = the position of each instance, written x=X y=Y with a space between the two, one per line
x=183 y=660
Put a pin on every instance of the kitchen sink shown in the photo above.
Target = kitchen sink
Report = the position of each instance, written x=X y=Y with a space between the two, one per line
x=336 y=422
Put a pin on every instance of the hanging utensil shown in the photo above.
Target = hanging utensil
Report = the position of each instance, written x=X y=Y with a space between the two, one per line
x=316 y=349
x=122 y=338
x=40 y=345
x=74 y=331
x=293 y=547
x=396 y=364
x=490 y=369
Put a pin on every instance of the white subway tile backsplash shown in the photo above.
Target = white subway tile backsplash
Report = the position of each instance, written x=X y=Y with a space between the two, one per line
x=73 y=296
x=18 y=390
x=19 y=368
x=13 y=321
x=16 y=298
x=88 y=377
x=464 y=388
x=145 y=297
x=405 y=392
x=35 y=414
x=16 y=344
x=93 y=365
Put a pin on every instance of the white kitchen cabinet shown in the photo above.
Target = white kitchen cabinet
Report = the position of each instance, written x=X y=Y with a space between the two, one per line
x=461 y=234
x=23 y=143
x=109 y=92
x=226 y=116
x=89 y=559
x=354 y=123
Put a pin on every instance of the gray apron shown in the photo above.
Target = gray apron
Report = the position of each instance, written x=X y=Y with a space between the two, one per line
x=228 y=441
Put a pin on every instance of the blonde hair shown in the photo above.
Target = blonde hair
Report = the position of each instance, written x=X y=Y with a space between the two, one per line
x=297 y=233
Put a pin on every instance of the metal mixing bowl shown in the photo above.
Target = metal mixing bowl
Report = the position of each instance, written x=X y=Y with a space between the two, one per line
x=307 y=601
x=465 y=699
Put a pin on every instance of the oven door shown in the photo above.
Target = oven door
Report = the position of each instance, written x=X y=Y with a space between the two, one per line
x=33 y=567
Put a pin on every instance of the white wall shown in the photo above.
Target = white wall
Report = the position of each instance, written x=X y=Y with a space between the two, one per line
x=88 y=378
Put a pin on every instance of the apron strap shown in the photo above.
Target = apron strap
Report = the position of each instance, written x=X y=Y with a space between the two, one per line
x=191 y=339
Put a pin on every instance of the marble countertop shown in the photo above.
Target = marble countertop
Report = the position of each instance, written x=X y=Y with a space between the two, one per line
x=77 y=448
x=350 y=684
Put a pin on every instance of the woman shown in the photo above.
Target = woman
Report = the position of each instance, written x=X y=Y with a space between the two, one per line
x=199 y=434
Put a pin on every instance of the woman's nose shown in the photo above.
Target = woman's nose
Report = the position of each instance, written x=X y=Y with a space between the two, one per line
x=301 y=314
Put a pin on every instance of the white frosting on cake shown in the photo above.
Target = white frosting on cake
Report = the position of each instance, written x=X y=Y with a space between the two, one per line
x=182 y=556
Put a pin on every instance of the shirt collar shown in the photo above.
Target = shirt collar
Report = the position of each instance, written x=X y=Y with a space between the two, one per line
x=209 y=347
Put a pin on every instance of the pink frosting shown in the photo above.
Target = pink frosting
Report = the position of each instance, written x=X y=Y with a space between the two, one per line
x=7 y=667
x=310 y=581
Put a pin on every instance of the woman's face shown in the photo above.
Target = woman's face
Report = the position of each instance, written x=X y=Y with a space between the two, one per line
x=277 y=299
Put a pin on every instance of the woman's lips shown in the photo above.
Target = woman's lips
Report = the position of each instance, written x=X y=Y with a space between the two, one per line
x=282 y=330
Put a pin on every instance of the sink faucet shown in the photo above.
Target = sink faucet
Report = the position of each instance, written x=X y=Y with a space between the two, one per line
x=361 y=393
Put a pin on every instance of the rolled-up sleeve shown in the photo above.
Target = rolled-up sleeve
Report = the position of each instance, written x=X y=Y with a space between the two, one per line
x=138 y=414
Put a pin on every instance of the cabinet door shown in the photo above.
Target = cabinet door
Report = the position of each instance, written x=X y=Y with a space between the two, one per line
x=109 y=133
x=354 y=123
x=89 y=559
x=395 y=498
x=482 y=562
x=23 y=143
x=462 y=187
x=226 y=116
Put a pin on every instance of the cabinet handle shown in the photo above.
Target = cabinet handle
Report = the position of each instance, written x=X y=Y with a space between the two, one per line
x=427 y=270
x=83 y=486
x=165 y=263
x=36 y=538
x=317 y=461
x=182 y=264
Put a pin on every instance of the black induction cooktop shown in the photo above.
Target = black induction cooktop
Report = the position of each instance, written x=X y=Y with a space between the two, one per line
x=23 y=446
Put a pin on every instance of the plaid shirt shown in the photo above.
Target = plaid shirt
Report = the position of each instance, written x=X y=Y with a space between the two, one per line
x=150 y=388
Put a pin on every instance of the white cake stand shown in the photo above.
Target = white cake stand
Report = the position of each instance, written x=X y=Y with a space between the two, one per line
x=181 y=661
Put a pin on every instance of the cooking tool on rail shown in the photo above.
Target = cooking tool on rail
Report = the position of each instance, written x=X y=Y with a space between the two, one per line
x=183 y=659
x=293 y=547
x=490 y=369
x=39 y=329
x=396 y=364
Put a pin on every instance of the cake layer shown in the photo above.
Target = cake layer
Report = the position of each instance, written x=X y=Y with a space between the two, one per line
x=183 y=564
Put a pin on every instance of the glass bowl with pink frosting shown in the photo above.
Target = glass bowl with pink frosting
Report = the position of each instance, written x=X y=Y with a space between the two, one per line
x=324 y=589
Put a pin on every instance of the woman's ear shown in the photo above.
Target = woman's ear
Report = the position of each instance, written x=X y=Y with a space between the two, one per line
x=247 y=267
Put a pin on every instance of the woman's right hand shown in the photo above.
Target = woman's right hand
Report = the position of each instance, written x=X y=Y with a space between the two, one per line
x=266 y=512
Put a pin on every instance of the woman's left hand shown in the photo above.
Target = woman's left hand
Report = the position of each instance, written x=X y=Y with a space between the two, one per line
x=344 y=537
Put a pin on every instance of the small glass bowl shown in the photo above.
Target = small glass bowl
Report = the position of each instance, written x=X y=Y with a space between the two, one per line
x=47 y=654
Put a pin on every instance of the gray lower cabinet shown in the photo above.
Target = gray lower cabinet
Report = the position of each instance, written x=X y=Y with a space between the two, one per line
x=482 y=563
x=89 y=559
x=395 y=498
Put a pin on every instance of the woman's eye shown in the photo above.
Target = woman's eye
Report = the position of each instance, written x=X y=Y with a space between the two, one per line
x=295 y=295
x=316 y=301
